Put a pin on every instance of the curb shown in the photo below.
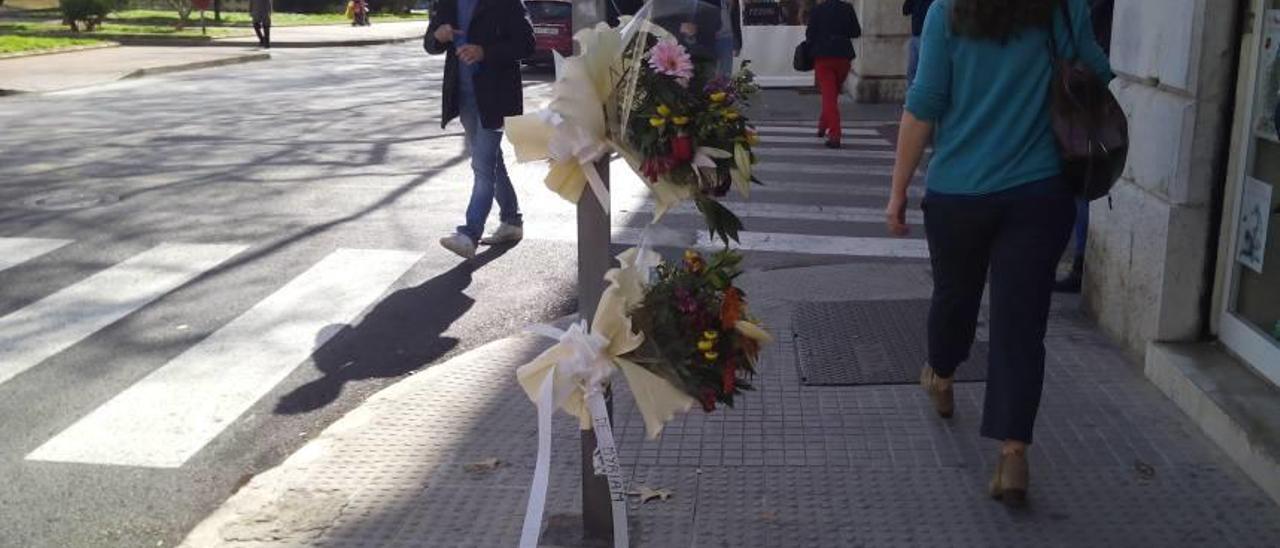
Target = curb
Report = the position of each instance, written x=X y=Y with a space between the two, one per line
x=271 y=504
x=226 y=42
x=249 y=58
x=72 y=49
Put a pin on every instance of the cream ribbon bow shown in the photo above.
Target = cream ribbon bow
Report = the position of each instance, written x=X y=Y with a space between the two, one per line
x=572 y=376
x=572 y=131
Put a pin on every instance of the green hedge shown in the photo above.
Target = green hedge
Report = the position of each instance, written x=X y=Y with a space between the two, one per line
x=88 y=13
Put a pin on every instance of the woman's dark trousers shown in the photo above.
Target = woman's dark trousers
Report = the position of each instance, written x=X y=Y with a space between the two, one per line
x=1015 y=238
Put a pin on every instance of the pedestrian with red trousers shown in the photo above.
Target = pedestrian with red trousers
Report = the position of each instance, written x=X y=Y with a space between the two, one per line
x=831 y=29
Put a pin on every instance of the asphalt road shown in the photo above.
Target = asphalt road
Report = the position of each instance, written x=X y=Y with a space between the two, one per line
x=200 y=271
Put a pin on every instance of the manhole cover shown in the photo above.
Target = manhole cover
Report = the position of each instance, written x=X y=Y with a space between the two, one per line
x=870 y=342
x=69 y=199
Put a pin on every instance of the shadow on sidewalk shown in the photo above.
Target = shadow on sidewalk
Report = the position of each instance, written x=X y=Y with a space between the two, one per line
x=380 y=346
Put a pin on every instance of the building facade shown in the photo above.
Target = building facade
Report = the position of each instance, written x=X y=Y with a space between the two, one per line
x=1183 y=262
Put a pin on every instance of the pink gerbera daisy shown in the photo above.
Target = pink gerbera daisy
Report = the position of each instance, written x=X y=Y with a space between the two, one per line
x=670 y=58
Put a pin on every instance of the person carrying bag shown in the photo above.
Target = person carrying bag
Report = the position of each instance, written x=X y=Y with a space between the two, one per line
x=833 y=25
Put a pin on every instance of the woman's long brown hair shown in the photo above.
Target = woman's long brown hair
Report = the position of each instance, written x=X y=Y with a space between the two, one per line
x=1000 y=20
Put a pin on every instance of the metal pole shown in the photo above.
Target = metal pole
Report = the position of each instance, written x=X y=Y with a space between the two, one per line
x=593 y=262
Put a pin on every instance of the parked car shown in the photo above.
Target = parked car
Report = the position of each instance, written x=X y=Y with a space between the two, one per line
x=552 y=28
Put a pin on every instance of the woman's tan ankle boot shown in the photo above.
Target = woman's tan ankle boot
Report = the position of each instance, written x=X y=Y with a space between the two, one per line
x=940 y=391
x=1011 y=480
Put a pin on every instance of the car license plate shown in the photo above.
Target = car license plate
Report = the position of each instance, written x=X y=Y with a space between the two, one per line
x=551 y=31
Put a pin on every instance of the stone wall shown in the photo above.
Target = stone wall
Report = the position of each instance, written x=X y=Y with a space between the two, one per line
x=1147 y=250
x=879 y=72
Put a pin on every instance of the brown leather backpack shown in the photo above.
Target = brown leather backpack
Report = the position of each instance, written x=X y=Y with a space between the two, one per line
x=1090 y=127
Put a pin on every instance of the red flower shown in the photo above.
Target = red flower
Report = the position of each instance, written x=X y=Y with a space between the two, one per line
x=731 y=308
x=708 y=399
x=682 y=149
x=656 y=166
x=729 y=377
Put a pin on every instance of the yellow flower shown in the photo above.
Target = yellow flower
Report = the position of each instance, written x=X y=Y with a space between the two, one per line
x=691 y=255
x=657 y=122
x=719 y=97
x=706 y=346
x=680 y=120
x=711 y=356
x=710 y=335
x=664 y=110
x=753 y=138
x=731 y=114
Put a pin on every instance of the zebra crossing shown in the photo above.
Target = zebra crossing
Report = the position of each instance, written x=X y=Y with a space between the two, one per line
x=166 y=417
x=815 y=202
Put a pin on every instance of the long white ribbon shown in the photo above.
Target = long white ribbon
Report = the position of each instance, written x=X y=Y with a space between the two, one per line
x=597 y=184
x=584 y=365
x=606 y=464
x=538 y=491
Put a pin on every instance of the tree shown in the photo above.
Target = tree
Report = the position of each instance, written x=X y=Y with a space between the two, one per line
x=184 y=8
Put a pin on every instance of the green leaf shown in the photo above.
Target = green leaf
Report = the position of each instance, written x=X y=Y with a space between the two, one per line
x=721 y=222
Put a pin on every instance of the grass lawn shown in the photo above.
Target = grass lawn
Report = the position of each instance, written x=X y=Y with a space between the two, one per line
x=45 y=23
x=163 y=18
x=17 y=44
x=241 y=19
x=31 y=4
x=109 y=30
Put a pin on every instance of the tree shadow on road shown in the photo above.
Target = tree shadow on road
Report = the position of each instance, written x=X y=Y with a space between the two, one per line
x=401 y=334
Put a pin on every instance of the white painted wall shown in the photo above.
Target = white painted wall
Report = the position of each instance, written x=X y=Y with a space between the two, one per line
x=1146 y=256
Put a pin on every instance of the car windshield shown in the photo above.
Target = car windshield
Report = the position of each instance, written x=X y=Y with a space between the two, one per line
x=549 y=10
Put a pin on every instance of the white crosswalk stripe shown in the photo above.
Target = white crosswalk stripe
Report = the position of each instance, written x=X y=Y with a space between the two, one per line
x=15 y=251
x=814 y=140
x=760 y=210
x=31 y=334
x=168 y=416
x=797 y=130
x=825 y=168
x=826 y=153
x=812 y=124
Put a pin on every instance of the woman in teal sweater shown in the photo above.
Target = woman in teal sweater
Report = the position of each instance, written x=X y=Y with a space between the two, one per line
x=996 y=205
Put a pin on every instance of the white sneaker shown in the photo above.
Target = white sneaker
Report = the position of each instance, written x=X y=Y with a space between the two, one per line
x=460 y=244
x=505 y=234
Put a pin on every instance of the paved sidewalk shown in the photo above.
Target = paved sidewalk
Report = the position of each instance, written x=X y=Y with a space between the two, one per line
x=311 y=36
x=81 y=68
x=59 y=71
x=1116 y=464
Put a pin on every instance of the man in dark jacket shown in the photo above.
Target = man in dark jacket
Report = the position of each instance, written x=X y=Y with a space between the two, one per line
x=484 y=42
x=832 y=27
x=916 y=10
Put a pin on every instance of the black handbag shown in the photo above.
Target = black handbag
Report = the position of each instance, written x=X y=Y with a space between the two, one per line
x=1088 y=123
x=802 y=61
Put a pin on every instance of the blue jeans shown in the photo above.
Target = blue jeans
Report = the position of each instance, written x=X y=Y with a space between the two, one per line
x=491 y=180
x=913 y=60
x=724 y=55
x=1082 y=226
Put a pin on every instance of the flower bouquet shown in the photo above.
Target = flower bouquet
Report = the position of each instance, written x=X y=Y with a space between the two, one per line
x=682 y=125
x=698 y=333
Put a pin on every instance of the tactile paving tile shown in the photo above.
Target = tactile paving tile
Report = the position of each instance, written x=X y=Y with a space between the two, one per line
x=869 y=342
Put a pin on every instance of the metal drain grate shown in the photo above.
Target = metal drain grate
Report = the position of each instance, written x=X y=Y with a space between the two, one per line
x=870 y=342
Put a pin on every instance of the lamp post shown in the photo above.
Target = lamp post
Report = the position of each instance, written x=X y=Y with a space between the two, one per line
x=593 y=261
